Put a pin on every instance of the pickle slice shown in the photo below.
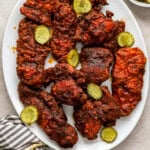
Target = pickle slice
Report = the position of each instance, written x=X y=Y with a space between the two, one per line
x=42 y=34
x=29 y=115
x=35 y=145
x=94 y=91
x=147 y=1
x=73 y=58
x=108 y=134
x=82 y=6
x=125 y=39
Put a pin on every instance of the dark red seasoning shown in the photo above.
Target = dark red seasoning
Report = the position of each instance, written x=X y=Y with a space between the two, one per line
x=51 y=116
x=38 y=11
x=127 y=74
x=61 y=45
x=30 y=55
x=63 y=71
x=87 y=121
x=67 y=92
x=97 y=29
x=95 y=63
x=94 y=113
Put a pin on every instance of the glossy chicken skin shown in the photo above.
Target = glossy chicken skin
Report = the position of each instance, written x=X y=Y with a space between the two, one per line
x=96 y=62
x=39 y=11
x=110 y=108
x=94 y=113
x=127 y=73
x=30 y=55
x=51 y=116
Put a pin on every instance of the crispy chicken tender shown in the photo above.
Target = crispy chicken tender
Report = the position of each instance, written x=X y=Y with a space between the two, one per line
x=112 y=42
x=61 y=44
x=64 y=27
x=96 y=62
x=63 y=71
x=97 y=29
x=93 y=114
x=110 y=108
x=45 y=12
x=51 y=116
x=68 y=92
x=30 y=55
x=61 y=20
x=127 y=73
x=87 y=121
x=38 y=11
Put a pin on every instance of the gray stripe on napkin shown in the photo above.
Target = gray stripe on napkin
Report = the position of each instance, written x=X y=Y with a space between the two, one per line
x=14 y=135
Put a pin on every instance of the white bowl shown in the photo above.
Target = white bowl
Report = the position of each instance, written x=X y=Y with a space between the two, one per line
x=138 y=3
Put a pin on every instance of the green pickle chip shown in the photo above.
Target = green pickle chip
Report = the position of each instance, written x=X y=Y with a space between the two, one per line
x=147 y=1
x=108 y=134
x=125 y=39
x=94 y=91
x=29 y=115
x=42 y=34
x=82 y=6
x=73 y=58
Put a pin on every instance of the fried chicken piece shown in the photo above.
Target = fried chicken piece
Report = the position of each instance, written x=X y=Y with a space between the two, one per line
x=87 y=121
x=63 y=71
x=94 y=25
x=68 y=92
x=51 y=116
x=64 y=27
x=95 y=64
x=30 y=55
x=110 y=108
x=95 y=28
x=61 y=44
x=38 y=11
x=127 y=73
x=61 y=20
x=93 y=114
x=112 y=42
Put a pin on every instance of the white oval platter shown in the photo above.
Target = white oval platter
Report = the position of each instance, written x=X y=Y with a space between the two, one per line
x=124 y=125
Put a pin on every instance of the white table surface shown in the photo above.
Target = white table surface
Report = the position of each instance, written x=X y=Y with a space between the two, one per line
x=139 y=139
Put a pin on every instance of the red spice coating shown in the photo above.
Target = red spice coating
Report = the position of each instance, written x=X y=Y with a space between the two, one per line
x=51 y=116
x=97 y=29
x=127 y=73
x=94 y=113
x=67 y=92
x=96 y=62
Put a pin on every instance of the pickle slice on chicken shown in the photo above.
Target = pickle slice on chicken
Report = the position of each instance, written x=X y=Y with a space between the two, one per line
x=82 y=6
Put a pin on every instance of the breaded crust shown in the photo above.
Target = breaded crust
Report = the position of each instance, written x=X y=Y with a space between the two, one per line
x=127 y=74
x=30 y=55
x=96 y=62
x=51 y=116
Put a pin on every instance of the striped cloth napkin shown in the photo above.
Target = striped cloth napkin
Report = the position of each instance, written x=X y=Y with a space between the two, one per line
x=14 y=135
